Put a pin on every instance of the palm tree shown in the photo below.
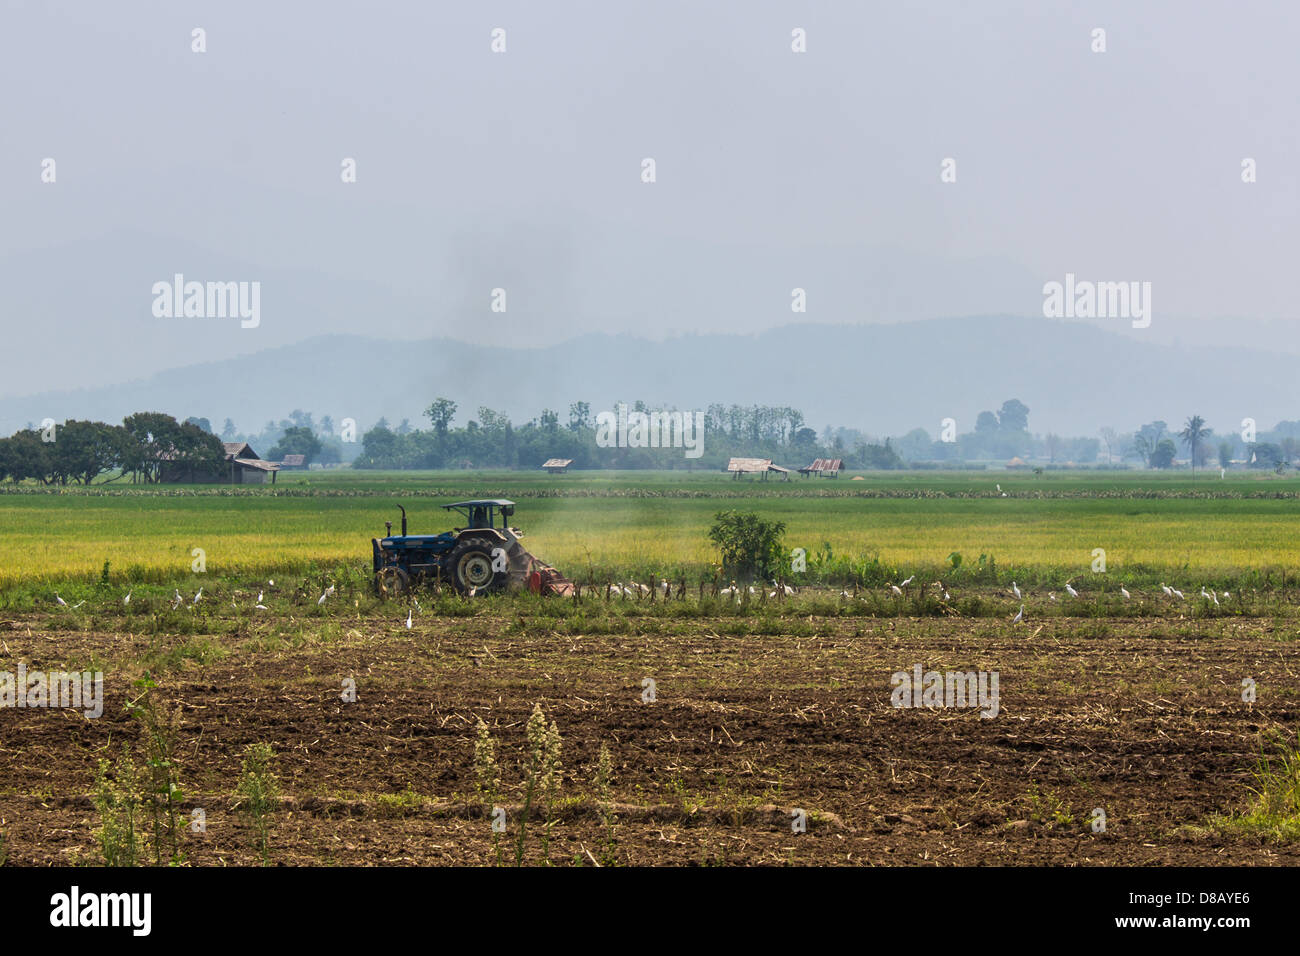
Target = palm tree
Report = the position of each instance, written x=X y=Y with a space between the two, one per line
x=1193 y=433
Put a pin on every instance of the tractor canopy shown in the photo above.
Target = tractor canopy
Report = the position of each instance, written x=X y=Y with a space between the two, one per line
x=481 y=513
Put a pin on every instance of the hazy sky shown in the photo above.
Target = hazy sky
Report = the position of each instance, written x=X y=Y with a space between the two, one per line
x=522 y=169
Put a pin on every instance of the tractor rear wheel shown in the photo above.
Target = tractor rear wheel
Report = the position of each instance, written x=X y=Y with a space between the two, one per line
x=471 y=565
x=392 y=582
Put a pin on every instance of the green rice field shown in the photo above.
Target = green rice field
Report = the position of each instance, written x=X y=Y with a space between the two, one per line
x=599 y=524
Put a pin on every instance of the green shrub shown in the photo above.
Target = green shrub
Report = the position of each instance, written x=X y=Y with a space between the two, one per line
x=751 y=546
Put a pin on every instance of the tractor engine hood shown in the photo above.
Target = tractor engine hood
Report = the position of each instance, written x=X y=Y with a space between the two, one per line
x=415 y=540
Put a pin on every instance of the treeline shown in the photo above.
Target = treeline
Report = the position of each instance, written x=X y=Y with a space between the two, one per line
x=139 y=449
x=1155 y=445
x=997 y=436
x=492 y=440
x=148 y=444
x=321 y=442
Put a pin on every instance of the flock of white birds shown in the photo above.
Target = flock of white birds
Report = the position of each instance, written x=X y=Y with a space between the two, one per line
x=1169 y=592
x=638 y=591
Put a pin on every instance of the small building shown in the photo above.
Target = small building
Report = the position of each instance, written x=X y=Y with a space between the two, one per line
x=823 y=468
x=756 y=466
x=245 y=467
x=294 y=463
x=557 y=466
x=242 y=467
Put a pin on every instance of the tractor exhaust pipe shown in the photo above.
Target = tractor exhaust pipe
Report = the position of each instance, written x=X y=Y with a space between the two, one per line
x=403 y=511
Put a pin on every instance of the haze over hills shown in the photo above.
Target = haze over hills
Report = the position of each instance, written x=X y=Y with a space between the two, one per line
x=885 y=379
x=102 y=288
x=957 y=190
x=80 y=311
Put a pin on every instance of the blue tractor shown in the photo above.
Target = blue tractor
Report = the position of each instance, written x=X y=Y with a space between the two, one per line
x=482 y=557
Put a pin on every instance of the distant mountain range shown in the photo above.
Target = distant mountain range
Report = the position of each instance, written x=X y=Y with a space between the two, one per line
x=885 y=379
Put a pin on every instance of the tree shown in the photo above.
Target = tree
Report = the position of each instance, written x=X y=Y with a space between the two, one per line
x=83 y=451
x=297 y=440
x=24 y=455
x=1225 y=454
x=1153 y=431
x=1266 y=455
x=228 y=430
x=880 y=457
x=1193 y=434
x=1146 y=440
x=579 y=416
x=1162 y=456
x=986 y=423
x=201 y=452
x=201 y=422
x=156 y=435
x=1111 y=439
x=915 y=445
x=379 y=446
x=1013 y=416
x=440 y=414
x=804 y=438
x=330 y=454
x=751 y=546
x=1290 y=449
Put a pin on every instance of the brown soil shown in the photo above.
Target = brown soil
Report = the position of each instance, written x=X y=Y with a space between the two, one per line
x=1142 y=718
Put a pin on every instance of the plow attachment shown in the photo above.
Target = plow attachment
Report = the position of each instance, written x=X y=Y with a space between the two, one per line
x=538 y=576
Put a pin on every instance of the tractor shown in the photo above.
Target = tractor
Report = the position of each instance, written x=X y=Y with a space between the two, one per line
x=482 y=557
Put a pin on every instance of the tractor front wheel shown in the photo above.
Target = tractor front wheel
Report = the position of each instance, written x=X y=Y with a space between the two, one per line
x=473 y=567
